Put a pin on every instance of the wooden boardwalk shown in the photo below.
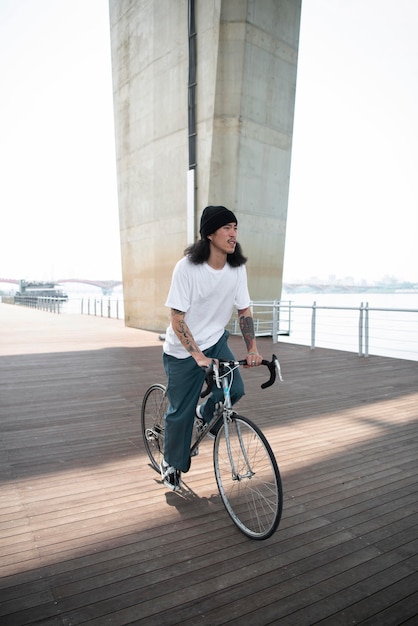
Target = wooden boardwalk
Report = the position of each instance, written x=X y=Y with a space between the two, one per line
x=89 y=535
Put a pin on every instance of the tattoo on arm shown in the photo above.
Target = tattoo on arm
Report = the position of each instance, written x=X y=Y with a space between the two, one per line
x=185 y=336
x=246 y=325
x=182 y=331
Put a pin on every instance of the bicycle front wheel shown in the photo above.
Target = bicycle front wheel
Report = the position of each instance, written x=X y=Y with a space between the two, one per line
x=248 y=478
x=154 y=408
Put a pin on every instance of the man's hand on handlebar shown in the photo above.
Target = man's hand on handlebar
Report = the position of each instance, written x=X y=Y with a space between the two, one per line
x=254 y=359
x=204 y=362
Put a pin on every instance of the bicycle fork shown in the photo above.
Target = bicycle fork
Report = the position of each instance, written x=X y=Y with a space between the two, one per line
x=227 y=421
x=235 y=474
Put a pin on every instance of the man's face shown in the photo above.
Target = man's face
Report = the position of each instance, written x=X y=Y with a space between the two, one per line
x=225 y=238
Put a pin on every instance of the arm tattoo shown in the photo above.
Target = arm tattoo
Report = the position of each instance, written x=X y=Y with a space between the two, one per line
x=246 y=325
x=185 y=336
x=182 y=331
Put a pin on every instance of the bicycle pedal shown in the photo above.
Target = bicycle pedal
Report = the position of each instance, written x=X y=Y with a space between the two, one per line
x=199 y=424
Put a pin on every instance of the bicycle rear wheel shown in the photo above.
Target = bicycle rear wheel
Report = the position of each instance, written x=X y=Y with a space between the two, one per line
x=154 y=407
x=248 y=478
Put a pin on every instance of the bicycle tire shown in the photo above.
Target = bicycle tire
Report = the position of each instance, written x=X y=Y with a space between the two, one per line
x=154 y=407
x=253 y=501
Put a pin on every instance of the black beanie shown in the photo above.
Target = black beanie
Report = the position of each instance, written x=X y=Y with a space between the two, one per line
x=213 y=217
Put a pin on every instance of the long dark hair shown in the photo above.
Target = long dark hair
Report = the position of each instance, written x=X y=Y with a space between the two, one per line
x=199 y=253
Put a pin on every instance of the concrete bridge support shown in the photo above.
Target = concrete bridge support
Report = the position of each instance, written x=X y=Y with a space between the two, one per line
x=246 y=53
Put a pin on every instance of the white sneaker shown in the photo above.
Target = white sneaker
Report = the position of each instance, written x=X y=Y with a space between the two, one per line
x=170 y=476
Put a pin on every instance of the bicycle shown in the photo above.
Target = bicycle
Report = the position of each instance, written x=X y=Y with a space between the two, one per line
x=246 y=470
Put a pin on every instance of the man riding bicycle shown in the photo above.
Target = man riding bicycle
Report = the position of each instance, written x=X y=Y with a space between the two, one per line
x=207 y=283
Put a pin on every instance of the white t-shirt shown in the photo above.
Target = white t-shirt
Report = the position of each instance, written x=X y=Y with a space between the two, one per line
x=207 y=296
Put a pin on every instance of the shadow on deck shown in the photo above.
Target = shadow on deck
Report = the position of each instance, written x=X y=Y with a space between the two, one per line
x=88 y=534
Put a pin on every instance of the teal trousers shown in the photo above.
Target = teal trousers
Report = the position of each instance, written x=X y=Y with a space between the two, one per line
x=184 y=384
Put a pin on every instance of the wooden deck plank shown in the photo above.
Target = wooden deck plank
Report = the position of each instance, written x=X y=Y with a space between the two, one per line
x=89 y=535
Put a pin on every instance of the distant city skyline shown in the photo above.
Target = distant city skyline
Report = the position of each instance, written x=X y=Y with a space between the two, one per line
x=333 y=279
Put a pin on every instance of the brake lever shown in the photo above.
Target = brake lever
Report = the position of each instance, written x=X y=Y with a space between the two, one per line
x=278 y=368
x=210 y=373
x=274 y=368
x=215 y=375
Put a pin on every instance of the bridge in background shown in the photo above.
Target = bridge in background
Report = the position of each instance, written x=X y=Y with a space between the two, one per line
x=106 y=286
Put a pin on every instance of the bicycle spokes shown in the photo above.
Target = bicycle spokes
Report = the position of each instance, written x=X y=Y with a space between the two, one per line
x=248 y=477
x=153 y=410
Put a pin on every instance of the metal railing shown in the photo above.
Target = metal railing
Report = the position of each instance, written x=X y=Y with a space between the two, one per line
x=271 y=318
x=362 y=329
x=43 y=303
x=101 y=307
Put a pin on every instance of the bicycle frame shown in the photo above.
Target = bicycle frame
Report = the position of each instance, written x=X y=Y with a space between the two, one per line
x=225 y=380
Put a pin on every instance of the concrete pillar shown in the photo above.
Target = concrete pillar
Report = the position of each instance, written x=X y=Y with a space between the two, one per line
x=246 y=77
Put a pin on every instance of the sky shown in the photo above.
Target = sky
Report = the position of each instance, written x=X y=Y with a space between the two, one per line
x=58 y=195
x=353 y=198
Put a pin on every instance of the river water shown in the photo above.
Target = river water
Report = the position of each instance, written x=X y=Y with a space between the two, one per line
x=391 y=333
